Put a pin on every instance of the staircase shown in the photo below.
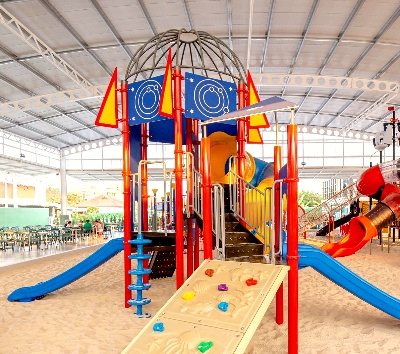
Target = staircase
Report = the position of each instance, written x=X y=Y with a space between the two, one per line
x=239 y=242
x=162 y=262
x=163 y=253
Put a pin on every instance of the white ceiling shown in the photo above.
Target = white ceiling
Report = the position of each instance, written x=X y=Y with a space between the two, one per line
x=306 y=40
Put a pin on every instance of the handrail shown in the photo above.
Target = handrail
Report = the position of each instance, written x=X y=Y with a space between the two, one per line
x=189 y=171
x=218 y=220
x=148 y=162
x=322 y=212
x=197 y=193
x=276 y=224
x=255 y=208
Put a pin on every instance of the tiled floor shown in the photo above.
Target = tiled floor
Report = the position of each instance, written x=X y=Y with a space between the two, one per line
x=10 y=257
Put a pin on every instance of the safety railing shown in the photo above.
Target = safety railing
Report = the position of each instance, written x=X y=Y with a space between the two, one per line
x=252 y=208
x=189 y=175
x=197 y=194
x=327 y=209
x=139 y=206
x=218 y=220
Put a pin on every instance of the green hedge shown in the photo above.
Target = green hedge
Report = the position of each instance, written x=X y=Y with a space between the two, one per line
x=104 y=217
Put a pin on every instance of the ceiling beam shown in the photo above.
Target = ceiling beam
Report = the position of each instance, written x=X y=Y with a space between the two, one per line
x=229 y=21
x=267 y=35
x=138 y=43
x=15 y=26
x=303 y=38
x=29 y=38
x=53 y=11
x=378 y=103
x=57 y=109
x=111 y=27
x=250 y=31
x=339 y=39
x=40 y=101
x=188 y=14
x=148 y=17
x=381 y=32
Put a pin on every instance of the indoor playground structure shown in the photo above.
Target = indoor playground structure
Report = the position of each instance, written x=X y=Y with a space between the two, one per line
x=233 y=203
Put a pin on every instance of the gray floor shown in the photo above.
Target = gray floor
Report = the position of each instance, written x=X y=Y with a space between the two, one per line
x=9 y=257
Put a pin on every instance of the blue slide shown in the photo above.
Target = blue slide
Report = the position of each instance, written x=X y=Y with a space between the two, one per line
x=102 y=255
x=344 y=277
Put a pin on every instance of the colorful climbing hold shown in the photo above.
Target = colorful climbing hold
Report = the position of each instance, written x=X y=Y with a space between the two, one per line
x=158 y=327
x=251 y=281
x=188 y=295
x=204 y=346
x=223 y=306
x=209 y=272
x=222 y=287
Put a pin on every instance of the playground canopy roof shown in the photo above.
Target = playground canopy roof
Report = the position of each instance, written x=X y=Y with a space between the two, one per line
x=338 y=61
x=273 y=104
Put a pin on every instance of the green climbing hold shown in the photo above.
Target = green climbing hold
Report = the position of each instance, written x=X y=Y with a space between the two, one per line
x=204 y=346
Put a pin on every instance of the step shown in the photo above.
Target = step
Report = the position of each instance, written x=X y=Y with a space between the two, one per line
x=243 y=249
x=234 y=237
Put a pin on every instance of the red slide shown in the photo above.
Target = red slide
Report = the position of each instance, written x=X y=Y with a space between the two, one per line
x=376 y=182
x=361 y=231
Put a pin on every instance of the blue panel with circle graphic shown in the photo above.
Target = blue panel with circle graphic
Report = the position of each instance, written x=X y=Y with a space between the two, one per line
x=144 y=100
x=207 y=98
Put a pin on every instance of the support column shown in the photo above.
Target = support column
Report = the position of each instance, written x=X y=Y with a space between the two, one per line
x=144 y=197
x=63 y=180
x=279 y=317
x=196 y=165
x=177 y=77
x=15 y=195
x=293 y=228
x=5 y=194
x=189 y=236
x=126 y=171
x=241 y=139
x=207 y=200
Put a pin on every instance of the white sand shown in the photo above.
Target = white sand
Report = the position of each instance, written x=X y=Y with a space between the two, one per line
x=88 y=316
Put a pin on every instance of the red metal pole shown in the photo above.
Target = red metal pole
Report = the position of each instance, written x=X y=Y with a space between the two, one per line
x=177 y=77
x=144 y=196
x=126 y=172
x=207 y=206
x=189 y=236
x=241 y=139
x=196 y=165
x=292 y=253
x=277 y=167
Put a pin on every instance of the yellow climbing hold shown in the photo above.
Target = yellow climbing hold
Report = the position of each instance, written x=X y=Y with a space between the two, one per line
x=188 y=295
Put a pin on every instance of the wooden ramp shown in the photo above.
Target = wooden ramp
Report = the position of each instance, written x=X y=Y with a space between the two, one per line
x=199 y=322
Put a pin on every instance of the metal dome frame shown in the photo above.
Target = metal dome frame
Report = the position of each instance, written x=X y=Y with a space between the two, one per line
x=192 y=46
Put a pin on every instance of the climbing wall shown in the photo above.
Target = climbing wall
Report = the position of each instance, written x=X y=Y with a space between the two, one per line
x=216 y=311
